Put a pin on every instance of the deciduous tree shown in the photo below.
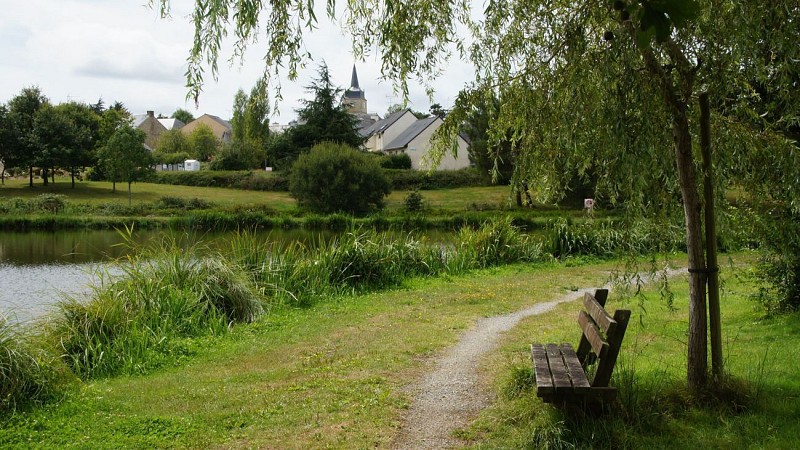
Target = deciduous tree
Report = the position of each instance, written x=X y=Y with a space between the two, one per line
x=602 y=88
x=125 y=157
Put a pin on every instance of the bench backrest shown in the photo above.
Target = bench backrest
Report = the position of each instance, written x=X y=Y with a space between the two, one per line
x=602 y=335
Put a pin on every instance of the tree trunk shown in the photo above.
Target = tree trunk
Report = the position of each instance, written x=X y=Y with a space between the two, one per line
x=30 y=175
x=72 y=173
x=715 y=320
x=129 y=194
x=44 y=176
x=697 y=361
x=113 y=186
x=53 y=175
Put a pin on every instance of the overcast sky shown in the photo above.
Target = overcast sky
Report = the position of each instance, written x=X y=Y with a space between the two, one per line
x=120 y=50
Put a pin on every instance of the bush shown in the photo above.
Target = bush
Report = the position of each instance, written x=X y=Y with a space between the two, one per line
x=403 y=180
x=237 y=155
x=779 y=264
x=398 y=161
x=413 y=201
x=337 y=178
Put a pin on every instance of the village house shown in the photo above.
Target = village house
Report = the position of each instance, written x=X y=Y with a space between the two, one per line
x=151 y=126
x=221 y=128
x=400 y=132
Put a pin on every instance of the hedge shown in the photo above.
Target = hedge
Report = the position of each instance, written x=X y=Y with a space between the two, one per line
x=401 y=180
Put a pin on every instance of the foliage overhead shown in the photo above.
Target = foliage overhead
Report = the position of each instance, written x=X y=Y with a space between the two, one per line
x=605 y=89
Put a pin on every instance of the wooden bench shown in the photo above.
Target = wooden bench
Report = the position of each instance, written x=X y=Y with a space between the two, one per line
x=561 y=372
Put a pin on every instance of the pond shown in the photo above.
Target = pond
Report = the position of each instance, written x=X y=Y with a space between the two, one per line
x=38 y=268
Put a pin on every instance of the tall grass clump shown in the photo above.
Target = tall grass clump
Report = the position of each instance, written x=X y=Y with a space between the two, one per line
x=147 y=306
x=495 y=243
x=28 y=373
x=608 y=239
x=365 y=260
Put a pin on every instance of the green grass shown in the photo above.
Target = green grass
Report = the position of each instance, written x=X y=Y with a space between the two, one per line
x=757 y=407
x=328 y=375
x=99 y=193
x=335 y=375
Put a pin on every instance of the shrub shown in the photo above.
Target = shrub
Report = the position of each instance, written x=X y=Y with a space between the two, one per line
x=52 y=203
x=397 y=161
x=237 y=155
x=413 y=201
x=441 y=179
x=336 y=178
x=779 y=264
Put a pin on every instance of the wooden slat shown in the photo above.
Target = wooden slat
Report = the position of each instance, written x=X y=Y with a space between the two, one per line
x=605 y=368
x=541 y=368
x=561 y=378
x=599 y=314
x=583 y=350
x=579 y=381
x=592 y=334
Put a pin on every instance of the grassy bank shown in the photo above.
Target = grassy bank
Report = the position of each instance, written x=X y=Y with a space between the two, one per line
x=92 y=205
x=756 y=406
x=335 y=375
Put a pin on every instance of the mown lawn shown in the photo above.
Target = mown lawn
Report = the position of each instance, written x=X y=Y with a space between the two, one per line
x=335 y=375
x=100 y=192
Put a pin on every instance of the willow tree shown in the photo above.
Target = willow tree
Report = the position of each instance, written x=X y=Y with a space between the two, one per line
x=598 y=87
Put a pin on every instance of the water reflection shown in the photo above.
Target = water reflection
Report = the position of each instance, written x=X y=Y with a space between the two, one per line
x=27 y=292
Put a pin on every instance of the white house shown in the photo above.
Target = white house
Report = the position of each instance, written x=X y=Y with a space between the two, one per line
x=416 y=142
x=401 y=132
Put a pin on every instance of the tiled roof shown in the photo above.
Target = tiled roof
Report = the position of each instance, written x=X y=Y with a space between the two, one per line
x=382 y=124
x=410 y=133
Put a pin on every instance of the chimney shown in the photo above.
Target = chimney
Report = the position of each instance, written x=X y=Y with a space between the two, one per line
x=150 y=114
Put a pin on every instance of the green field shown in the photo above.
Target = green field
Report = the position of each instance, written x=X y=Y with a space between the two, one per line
x=336 y=375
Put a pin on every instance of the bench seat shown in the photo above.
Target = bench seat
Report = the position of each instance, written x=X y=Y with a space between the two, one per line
x=561 y=371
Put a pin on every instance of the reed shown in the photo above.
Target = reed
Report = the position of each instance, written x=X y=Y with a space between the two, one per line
x=28 y=372
x=145 y=307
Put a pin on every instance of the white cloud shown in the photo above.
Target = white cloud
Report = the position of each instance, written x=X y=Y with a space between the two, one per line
x=121 y=51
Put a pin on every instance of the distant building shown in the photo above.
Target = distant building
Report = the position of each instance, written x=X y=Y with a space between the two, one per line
x=151 y=126
x=402 y=132
x=171 y=123
x=220 y=128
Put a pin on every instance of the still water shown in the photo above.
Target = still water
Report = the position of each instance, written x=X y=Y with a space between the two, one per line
x=38 y=268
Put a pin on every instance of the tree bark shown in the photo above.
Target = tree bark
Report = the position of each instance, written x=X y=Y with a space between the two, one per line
x=677 y=91
x=697 y=354
x=30 y=175
x=715 y=319
x=44 y=176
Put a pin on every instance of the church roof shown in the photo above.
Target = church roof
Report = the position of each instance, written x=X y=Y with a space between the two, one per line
x=354 y=78
x=354 y=91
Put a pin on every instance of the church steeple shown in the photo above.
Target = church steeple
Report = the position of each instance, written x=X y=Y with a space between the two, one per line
x=354 y=78
x=354 y=97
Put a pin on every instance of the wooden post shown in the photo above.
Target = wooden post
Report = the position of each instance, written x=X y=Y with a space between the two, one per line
x=715 y=321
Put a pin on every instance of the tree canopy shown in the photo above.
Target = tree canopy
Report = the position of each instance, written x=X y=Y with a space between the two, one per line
x=604 y=90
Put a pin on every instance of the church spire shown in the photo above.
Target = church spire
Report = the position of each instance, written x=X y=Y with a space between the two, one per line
x=354 y=78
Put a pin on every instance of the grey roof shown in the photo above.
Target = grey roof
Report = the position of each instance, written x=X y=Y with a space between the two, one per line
x=138 y=119
x=224 y=123
x=354 y=78
x=354 y=91
x=410 y=133
x=382 y=124
x=171 y=123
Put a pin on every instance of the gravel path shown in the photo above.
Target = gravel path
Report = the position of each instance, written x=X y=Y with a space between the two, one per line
x=451 y=395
